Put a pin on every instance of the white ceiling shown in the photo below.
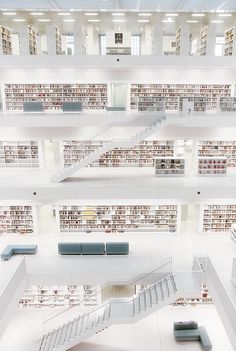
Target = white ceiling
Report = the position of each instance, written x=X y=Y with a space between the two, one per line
x=154 y=5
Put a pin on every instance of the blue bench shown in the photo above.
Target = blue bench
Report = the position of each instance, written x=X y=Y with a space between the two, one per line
x=99 y=248
x=11 y=250
x=204 y=339
x=117 y=248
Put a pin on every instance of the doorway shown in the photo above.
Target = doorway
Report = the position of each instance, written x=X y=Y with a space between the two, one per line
x=119 y=95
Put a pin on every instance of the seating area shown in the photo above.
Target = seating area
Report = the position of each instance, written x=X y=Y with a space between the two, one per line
x=190 y=331
x=11 y=250
x=96 y=248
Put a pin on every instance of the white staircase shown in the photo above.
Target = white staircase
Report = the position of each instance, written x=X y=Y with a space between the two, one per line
x=116 y=311
x=93 y=156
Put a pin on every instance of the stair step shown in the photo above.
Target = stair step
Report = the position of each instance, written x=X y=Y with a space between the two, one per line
x=74 y=327
x=43 y=343
x=154 y=294
x=68 y=331
x=57 y=340
x=166 y=289
x=46 y=344
x=148 y=297
x=142 y=297
x=52 y=341
x=63 y=334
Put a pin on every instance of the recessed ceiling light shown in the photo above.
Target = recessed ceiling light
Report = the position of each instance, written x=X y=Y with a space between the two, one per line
x=192 y=21
x=171 y=14
x=37 y=13
x=145 y=14
x=44 y=20
x=143 y=20
x=91 y=14
x=216 y=21
x=198 y=14
x=118 y=20
x=117 y=14
x=225 y=15
x=9 y=13
x=63 y=14
x=68 y=20
x=19 y=20
x=94 y=20
x=169 y=20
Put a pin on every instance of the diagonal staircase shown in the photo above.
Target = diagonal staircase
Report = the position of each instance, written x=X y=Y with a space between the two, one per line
x=115 y=311
x=93 y=156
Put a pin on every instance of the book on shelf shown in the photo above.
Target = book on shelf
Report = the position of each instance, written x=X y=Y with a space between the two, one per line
x=19 y=154
x=6 y=40
x=16 y=219
x=218 y=218
x=169 y=166
x=229 y=41
x=212 y=166
x=203 y=40
x=32 y=37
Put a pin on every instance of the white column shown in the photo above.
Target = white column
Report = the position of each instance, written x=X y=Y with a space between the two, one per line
x=24 y=39
x=184 y=40
x=51 y=39
x=211 y=40
x=78 y=39
x=146 y=40
x=90 y=39
x=157 y=39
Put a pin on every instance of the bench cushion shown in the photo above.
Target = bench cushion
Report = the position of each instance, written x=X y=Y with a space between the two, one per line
x=69 y=248
x=17 y=249
x=117 y=248
x=204 y=339
x=93 y=248
x=185 y=325
x=186 y=335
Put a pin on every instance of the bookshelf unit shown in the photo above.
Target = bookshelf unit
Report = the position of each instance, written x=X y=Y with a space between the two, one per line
x=218 y=218
x=17 y=219
x=227 y=104
x=151 y=103
x=32 y=35
x=92 y=96
x=218 y=148
x=203 y=40
x=233 y=232
x=44 y=296
x=19 y=154
x=229 y=41
x=6 y=41
x=177 y=41
x=58 y=41
x=169 y=166
x=172 y=93
x=118 y=218
x=141 y=155
x=213 y=166
x=199 y=103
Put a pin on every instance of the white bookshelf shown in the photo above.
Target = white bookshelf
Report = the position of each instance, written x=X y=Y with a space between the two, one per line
x=6 y=41
x=218 y=218
x=172 y=93
x=218 y=148
x=151 y=103
x=118 y=218
x=169 y=166
x=212 y=166
x=227 y=104
x=203 y=40
x=32 y=35
x=229 y=41
x=199 y=103
x=19 y=154
x=17 y=219
x=141 y=155
x=92 y=96
x=44 y=296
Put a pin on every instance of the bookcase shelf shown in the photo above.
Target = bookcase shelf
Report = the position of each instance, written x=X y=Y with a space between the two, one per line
x=218 y=148
x=151 y=103
x=16 y=219
x=218 y=218
x=227 y=104
x=32 y=35
x=177 y=41
x=199 y=103
x=92 y=96
x=6 y=41
x=169 y=166
x=58 y=41
x=19 y=154
x=172 y=93
x=212 y=166
x=39 y=296
x=229 y=41
x=118 y=218
x=203 y=40
x=141 y=155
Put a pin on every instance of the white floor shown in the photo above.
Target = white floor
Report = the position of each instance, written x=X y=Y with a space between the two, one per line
x=151 y=334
